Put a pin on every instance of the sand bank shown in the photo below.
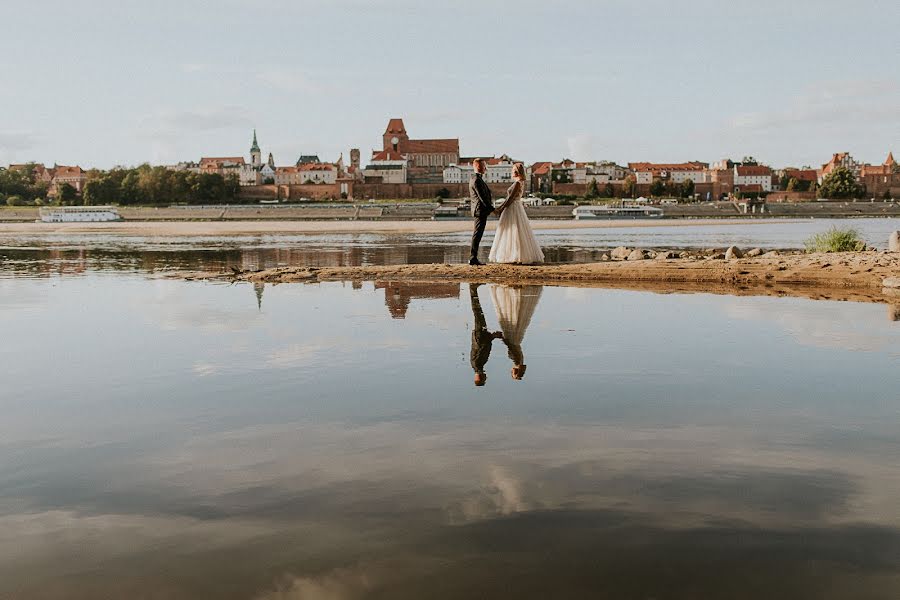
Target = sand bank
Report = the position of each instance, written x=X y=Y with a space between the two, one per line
x=224 y=228
x=842 y=276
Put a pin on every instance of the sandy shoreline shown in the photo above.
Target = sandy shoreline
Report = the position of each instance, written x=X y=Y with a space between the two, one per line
x=225 y=228
x=856 y=276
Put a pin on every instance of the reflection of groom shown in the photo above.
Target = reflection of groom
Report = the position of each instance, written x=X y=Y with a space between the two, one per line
x=481 y=338
x=482 y=206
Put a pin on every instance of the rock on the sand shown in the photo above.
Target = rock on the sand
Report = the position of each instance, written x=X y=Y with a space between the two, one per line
x=753 y=253
x=894 y=242
x=733 y=252
x=620 y=253
x=771 y=254
x=636 y=255
x=891 y=282
x=665 y=255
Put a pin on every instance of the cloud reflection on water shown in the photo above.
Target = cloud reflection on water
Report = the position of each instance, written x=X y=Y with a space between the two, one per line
x=330 y=451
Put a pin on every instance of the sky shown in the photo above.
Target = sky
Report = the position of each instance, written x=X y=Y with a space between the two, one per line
x=121 y=82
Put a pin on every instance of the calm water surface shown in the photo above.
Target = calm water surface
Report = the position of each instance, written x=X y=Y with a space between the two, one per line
x=66 y=253
x=168 y=439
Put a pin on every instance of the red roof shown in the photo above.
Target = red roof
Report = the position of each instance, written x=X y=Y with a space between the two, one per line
x=541 y=168
x=448 y=146
x=395 y=126
x=889 y=161
x=387 y=155
x=688 y=166
x=315 y=167
x=752 y=170
x=221 y=159
x=802 y=174
x=68 y=171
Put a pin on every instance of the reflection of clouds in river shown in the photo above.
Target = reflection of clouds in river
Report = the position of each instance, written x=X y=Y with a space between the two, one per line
x=830 y=325
x=175 y=308
x=350 y=499
x=17 y=295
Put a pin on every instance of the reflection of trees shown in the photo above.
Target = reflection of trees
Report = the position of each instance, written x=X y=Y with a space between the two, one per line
x=259 y=288
x=49 y=260
x=398 y=295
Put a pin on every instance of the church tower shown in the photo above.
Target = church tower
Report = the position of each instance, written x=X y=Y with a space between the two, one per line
x=271 y=161
x=255 y=153
x=395 y=136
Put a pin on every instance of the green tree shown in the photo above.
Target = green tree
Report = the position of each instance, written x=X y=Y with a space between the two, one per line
x=629 y=187
x=102 y=190
x=15 y=201
x=841 y=184
x=609 y=191
x=658 y=187
x=232 y=189
x=66 y=195
x=593 y=190
x=687 y=188
x=443 y=193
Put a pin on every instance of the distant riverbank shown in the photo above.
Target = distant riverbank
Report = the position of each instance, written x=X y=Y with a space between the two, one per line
x=425 y=211
x=224 y=228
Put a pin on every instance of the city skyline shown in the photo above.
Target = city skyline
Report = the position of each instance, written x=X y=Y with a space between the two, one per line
x=587 y=81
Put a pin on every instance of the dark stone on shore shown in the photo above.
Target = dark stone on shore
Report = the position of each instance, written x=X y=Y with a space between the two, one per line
x=665 y=255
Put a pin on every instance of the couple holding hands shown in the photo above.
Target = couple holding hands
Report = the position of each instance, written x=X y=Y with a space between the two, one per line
x=514 y=239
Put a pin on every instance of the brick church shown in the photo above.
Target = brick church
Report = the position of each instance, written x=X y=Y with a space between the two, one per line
x=427 y=158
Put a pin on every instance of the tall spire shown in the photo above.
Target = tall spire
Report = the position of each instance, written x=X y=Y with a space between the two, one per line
x=890 y=160
x=255 y=146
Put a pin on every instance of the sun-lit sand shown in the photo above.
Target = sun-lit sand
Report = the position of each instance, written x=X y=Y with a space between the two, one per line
x=856 y=276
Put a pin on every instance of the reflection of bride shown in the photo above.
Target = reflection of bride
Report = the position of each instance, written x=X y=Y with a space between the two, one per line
x=515 y=306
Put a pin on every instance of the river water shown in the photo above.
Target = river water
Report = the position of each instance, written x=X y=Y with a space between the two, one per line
x=56 y=252
x=171 y=439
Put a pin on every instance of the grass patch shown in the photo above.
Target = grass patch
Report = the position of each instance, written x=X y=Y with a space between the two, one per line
x=836 y=240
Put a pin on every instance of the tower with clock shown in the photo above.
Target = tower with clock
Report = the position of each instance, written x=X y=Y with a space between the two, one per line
x=395 y=136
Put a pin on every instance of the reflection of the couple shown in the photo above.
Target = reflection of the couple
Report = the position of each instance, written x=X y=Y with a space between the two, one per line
x=514 y=306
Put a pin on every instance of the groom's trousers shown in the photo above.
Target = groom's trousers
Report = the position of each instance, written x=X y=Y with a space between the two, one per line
x=480 y=223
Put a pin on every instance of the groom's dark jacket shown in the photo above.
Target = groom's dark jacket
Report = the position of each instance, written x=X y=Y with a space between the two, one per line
x=482 y=200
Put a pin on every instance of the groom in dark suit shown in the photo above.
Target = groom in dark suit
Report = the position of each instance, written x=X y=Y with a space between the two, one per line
x=482 y=338
x=482 y=207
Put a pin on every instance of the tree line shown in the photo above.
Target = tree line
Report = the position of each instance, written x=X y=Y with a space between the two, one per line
x=18 y=187
x=159 y=185
x=125 y=186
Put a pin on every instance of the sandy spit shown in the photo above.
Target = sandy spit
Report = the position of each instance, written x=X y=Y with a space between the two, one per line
x=841 y=276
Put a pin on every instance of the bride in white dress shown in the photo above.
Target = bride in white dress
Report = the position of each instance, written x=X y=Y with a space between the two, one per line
x=515 y=307
x=514 y=240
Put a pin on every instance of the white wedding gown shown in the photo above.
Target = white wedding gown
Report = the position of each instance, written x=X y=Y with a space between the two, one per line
x=514 y=240
x=515 y=306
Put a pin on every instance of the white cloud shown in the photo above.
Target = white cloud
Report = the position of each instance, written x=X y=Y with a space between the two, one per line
x=176 y=123
x=842 y=104
x=581 y=146
x=291 y=80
